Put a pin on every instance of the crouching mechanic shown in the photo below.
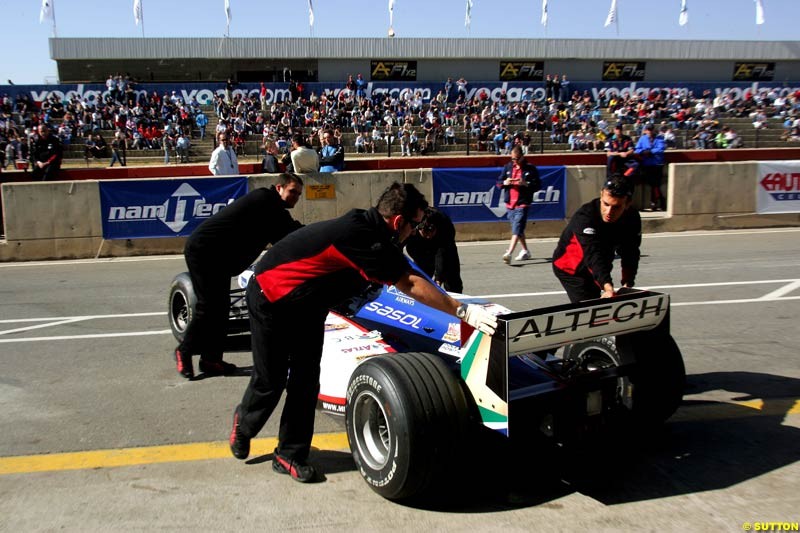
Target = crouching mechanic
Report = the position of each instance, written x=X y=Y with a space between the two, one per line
x=222 y=247
x=433 y=248
x=292 y=288
x=596 y=232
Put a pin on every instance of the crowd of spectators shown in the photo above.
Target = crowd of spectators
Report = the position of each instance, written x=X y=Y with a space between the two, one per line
x=409 y=121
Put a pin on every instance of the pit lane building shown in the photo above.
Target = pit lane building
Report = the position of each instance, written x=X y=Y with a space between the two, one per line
x=186 y=60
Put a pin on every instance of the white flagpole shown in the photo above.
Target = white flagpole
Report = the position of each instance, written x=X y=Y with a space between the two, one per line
x=683 y=19
x=310 y=18
x=227 y=18
x=391 y=18
x=544 y=15
x=759 y=13
x=138 y=14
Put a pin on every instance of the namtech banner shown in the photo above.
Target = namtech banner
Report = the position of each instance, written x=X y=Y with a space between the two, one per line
x=472 y=195
x=135 y=209
x=778 y=187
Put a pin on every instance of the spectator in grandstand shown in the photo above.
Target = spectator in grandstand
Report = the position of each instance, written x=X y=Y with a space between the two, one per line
x=450 y=135
x=116 y=151
x=182 y=146
x=96 y=147
x=519 y=180
x=361 y=87
x=223 y=159
x=650 y=148
x=620 y=156
x=405 y=141
x=701 y=139
x=331 y=157
x=201 y=120
x=269 y=164
x=302 y=159
x=46 y=154
x=461 y=87
x=448 y=89
x=564 y=89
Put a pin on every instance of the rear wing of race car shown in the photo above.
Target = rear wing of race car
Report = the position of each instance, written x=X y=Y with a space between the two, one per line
x=486 y=366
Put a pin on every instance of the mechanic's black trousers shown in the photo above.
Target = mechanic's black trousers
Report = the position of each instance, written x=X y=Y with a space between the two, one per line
x=578 y=287
x=287 y=348
x=208 y=329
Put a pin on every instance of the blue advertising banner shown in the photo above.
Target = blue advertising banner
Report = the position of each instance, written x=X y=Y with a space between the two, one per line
x=513 y=91
x=163 y=208
x=472 y=195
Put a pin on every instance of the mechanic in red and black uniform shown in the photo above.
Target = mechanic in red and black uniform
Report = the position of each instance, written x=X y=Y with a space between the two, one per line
x=599 y=229
x=222 y=247
x=294 y=284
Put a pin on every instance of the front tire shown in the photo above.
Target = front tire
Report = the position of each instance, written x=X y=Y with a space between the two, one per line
x=407 y=420
x=181 y=304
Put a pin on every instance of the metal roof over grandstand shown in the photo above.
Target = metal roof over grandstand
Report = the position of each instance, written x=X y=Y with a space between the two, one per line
x=329 y=59
x=439 y=48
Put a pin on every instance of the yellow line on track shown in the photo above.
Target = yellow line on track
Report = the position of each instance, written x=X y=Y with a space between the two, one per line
x=202 y=451
x=199 y=451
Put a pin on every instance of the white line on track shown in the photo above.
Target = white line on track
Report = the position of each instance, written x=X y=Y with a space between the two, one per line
x=791 y=282
x=778 y=295
x=85 y=317
x=667 y=235
x=92 y=336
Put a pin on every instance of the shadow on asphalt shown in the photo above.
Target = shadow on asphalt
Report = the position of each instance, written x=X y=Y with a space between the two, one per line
x=705 y=446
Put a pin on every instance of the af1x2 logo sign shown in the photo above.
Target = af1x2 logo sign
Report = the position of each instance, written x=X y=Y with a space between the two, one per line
x=522 y=70
x=623 y=70
x=753 y=71
x=163 y=208
x=393 y=70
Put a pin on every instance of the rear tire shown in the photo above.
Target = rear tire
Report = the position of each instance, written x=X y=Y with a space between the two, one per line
x=653 y=390
x=181 y=304
x=408 y=420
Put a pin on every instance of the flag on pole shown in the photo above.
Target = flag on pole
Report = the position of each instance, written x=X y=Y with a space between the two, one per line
x=612 y=14
x=391 y=14
x=310 y=14
x=683 y=19
x=759 y=12
x=137 y=11
x=227 y=17
x=468 y=17
x=46 y=12
x=544 y=13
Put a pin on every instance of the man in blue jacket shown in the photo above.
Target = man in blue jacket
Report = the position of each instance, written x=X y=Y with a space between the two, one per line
x=650 y=149
x=331 y=157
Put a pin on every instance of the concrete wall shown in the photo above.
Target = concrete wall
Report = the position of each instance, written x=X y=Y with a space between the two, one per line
x=62 y=219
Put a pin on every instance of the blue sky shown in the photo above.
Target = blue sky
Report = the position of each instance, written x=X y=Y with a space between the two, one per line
x=26 y=56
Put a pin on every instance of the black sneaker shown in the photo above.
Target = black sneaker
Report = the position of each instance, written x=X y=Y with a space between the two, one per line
x=183 y=362
x=217 y=368
x=240 y=445
x=299 y=470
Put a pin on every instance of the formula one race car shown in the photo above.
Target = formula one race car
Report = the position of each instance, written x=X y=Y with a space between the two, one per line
x=415 y=384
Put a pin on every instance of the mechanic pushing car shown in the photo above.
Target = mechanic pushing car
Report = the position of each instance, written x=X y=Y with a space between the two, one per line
x=221 y=247
x=597 y=231
x=296 y=283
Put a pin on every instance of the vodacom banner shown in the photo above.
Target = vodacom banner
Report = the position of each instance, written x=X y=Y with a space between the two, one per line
x=778 y=187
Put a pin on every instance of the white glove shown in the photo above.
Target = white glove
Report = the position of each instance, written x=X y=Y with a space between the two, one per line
x=480 y=319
